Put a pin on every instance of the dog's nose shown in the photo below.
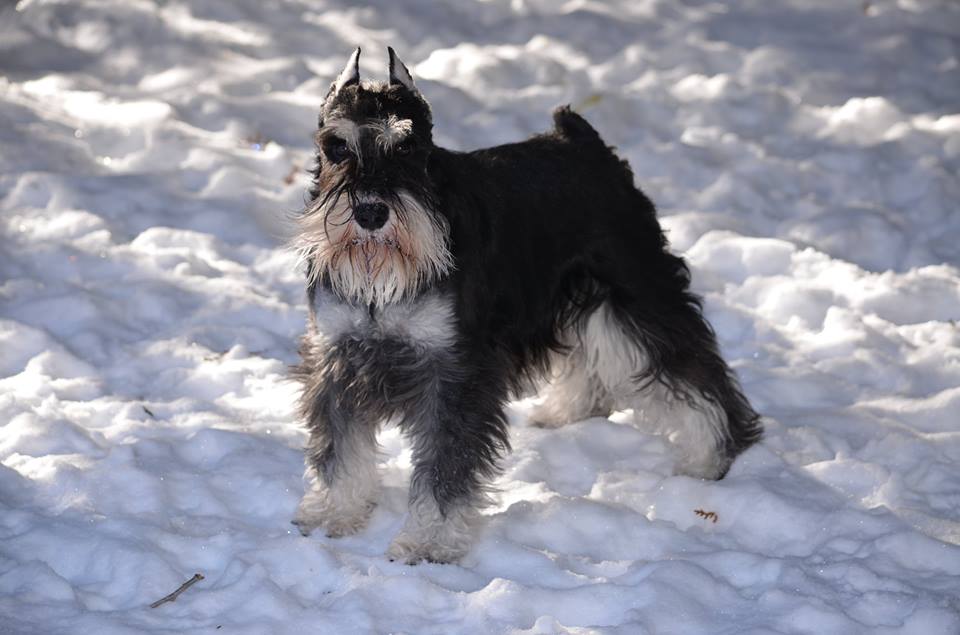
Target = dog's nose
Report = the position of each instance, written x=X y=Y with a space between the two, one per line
x=371 y=215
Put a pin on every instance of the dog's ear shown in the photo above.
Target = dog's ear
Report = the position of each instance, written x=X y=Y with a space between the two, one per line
x=348 y=76
x=399 y=73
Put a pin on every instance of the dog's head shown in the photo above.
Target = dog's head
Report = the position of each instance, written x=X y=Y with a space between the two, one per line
x=372 y=228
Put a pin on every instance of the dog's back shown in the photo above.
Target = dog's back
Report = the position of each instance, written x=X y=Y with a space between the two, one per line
x=562 y=221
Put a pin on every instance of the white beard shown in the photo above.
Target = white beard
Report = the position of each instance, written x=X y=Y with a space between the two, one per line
x=374 y=267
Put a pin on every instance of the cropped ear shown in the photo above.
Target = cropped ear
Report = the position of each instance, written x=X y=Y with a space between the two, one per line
x=349 y=75
x=399 y=73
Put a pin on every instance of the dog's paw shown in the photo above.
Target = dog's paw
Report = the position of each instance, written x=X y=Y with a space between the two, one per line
x=337 y=521
x=713 y=471
x=304 y=526
x=545 y=424
x=431 y=536
x=342 y=524
x=547 y=418
x=710 y=465
x=409 y=549
x=549 y=415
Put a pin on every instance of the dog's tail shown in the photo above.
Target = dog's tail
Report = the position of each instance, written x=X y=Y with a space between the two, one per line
x=573 y=127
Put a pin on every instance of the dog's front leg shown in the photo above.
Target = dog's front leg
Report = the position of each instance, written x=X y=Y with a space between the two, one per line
x=343 y=482
x=457 y=441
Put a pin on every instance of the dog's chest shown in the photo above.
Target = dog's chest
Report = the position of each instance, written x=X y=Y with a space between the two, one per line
x=426 y=322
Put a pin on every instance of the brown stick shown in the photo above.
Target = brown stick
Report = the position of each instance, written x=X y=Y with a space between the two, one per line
x=183 y=587
x=707 y=515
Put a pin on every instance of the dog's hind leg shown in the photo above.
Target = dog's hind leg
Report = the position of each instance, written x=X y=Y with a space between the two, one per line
x=573 y=390
x=684 y=389
x=586 y=381
x=696 y=427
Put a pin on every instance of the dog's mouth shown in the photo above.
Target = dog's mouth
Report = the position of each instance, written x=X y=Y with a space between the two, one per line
x=374 y=240
x=371 y=251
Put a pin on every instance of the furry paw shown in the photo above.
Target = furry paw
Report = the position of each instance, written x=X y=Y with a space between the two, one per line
x=431 y=536
x=408 y=548
x=548 y=415
x=317 y=511
x=545 y=424
x=709 y=465
x=548 y=418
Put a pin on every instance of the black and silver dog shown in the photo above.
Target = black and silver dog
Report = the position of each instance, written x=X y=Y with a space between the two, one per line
x=441 y=283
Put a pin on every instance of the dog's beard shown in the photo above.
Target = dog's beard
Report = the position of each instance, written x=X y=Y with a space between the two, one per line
x=374 y=267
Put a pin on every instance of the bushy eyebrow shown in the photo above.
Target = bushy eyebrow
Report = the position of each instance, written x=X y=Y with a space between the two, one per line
x=391 y=130
x=345 y=129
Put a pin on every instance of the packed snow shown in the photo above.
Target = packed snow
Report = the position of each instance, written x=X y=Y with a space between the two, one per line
x=804 y=158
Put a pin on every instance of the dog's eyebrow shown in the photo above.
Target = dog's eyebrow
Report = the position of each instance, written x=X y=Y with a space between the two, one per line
x=347 y=130
x=391 y=130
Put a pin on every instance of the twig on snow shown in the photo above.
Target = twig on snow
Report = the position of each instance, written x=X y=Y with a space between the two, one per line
x=183 y=587
x=707 y=515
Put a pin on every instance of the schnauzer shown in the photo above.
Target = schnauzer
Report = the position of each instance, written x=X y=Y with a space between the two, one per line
x=442 y=283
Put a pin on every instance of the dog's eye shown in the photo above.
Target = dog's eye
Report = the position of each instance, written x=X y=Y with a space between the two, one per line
x=405 y=147
x=336 y=149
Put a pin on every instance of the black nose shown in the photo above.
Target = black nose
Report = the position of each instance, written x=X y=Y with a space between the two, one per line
x=371 y=215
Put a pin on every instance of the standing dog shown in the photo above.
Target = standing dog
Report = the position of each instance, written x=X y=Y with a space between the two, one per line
x=441 y=282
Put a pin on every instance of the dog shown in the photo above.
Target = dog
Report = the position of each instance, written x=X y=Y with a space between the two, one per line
x=440 y=284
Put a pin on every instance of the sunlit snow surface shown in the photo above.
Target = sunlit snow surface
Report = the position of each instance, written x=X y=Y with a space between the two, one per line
x=804 y=158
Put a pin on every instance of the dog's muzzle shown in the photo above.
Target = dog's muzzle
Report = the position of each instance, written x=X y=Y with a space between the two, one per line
x=371 y=216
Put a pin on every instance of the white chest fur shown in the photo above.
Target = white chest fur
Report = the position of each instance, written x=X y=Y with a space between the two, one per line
x=426 y=321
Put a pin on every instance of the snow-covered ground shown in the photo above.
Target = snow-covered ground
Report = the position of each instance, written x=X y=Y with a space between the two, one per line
x=803 y=154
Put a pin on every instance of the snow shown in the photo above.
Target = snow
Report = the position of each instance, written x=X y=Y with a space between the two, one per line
x=804 y=157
